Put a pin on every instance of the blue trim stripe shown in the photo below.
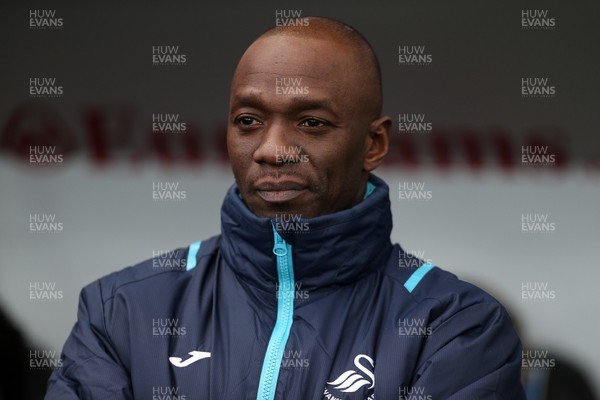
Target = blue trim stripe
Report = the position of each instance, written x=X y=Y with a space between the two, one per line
x=369 y=190
x=283 y=324
x=416 y=276
x=191 y=257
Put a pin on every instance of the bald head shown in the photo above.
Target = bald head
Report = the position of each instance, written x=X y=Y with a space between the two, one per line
x=364 y=63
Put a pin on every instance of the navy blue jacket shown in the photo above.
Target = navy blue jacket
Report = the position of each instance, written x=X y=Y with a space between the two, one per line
x=311 y=309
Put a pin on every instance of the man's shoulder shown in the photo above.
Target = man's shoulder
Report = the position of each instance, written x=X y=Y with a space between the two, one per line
x=165 y=267
x=428 y=282
x=442 y=283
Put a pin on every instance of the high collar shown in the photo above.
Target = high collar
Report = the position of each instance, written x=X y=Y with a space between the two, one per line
x=332 y=249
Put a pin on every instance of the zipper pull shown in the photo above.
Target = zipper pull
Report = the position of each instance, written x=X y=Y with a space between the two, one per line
x=280 y=246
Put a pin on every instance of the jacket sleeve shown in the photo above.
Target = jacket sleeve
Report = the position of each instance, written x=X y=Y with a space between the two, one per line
x=474 y=354
x=90 y=367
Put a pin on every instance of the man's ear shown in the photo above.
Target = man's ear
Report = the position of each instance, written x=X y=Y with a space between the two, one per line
x=377 y=143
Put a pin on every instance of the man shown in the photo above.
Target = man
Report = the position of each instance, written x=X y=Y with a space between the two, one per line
x=301 y=296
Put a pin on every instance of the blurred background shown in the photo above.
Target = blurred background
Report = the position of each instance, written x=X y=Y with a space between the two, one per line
x=112 y=150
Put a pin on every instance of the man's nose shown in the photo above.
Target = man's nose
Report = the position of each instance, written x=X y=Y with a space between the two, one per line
x=275 y=139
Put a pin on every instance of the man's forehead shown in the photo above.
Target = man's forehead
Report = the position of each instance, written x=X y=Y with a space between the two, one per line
x=313 y=58
x=276 y=73
x=292 y=99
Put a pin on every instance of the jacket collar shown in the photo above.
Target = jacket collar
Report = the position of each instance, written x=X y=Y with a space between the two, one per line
x=332 y=249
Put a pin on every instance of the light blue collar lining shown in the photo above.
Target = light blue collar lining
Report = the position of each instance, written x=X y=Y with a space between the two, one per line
x=369 y=190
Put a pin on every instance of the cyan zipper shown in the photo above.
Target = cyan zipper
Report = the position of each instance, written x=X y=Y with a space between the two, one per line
x=283 y=324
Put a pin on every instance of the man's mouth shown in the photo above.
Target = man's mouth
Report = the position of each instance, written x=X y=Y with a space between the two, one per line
x=279 y=191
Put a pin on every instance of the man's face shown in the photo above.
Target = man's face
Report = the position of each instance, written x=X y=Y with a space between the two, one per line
x=297 y=133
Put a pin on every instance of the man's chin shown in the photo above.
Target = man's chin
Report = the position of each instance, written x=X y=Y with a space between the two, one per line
x=282 y=209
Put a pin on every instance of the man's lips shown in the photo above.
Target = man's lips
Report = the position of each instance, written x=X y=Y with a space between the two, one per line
x=279 y=191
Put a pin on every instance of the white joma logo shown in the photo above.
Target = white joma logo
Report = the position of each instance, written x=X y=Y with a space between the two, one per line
x=195 y=356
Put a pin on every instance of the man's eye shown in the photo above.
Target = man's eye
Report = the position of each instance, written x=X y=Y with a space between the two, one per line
x=246 y=120
x=312 y=123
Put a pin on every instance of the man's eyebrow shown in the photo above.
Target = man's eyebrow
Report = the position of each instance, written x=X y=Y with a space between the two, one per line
x=247 y=100
x=301 y=103
x=296 y=103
